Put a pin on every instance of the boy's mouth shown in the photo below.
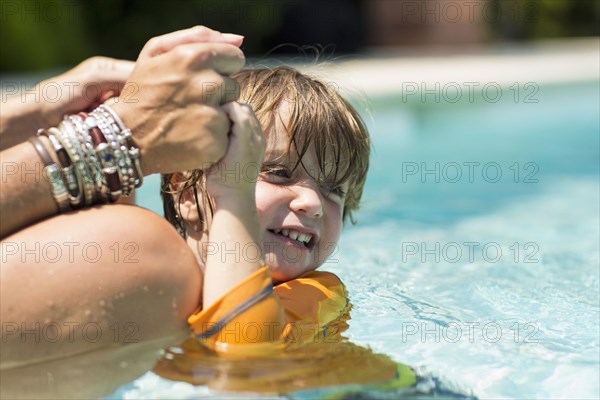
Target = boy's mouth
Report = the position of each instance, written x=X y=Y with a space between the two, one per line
x=304 y=239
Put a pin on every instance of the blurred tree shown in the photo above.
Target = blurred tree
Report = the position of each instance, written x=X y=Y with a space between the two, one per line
x=42 y=34
x=538 y=19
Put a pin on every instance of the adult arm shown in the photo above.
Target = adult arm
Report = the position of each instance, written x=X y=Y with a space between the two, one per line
x=80 y=89
x=170 y=103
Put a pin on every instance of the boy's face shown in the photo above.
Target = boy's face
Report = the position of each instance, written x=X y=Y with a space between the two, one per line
x=300 y=214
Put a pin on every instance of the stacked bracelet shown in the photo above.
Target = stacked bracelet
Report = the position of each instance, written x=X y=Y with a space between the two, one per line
x=52 y=171
x=98 y=161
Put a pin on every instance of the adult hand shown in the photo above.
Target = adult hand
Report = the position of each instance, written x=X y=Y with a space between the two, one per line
x=81 y=88
x=85 y=87
x=172 y=100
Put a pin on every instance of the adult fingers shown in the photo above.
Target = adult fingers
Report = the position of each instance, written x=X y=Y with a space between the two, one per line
x=197 y=34
x=220 y=57
x=212 y=89
x=230 y=90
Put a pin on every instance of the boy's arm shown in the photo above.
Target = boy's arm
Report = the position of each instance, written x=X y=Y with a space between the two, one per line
x=238 y=292
x=234 y=237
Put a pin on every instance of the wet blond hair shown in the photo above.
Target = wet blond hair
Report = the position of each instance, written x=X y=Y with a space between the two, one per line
x=319 y=119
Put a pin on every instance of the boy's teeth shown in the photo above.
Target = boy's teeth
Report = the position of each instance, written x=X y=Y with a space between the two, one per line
x=294 y=235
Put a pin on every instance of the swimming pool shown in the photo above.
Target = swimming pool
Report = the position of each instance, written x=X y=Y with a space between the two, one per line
x=476 y=255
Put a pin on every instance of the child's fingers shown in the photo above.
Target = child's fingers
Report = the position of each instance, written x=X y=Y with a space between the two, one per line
x=245 y=129
x=241 y=116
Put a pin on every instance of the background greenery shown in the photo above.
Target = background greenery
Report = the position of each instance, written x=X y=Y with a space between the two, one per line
x=43 y=34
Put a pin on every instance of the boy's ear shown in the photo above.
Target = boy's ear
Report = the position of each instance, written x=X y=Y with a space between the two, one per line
x=185 y=201
x=188 y=206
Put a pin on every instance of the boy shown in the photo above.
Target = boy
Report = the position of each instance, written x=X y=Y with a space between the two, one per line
x=284 y=210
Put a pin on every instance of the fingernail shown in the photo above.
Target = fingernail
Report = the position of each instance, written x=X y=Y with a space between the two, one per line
x=232 y=36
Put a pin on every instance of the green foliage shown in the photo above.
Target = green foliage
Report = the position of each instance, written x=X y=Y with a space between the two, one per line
x=43 y=34
x=40 y=34
x=540 y=19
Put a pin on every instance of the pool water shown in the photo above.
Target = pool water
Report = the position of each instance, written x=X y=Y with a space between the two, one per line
x=476 y=257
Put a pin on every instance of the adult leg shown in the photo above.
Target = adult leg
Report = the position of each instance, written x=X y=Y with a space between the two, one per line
x=94 y=280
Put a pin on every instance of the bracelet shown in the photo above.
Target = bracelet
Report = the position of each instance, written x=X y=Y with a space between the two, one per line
x=81 y=164
x=64 y=139
x=106 y=157
x=90 y=155
x=119 y=150
x=98 y=160
x=134 y=151
x=52 y=171
x=67 y=170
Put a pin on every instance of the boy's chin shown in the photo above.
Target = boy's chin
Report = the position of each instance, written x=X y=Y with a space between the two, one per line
x=282 y=271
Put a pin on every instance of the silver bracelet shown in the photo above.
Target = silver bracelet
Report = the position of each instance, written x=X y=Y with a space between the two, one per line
x=93 y=163
x=98 y=159
x=81 y=165
x=134 y=152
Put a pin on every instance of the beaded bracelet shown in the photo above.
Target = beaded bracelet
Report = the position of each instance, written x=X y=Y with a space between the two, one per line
x=98 y=159
x=106 y=158
x=120 y=152
x=91 y=158
x=134 y=152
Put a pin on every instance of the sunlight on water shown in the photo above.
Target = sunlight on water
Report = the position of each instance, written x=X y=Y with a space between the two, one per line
x=499 y=326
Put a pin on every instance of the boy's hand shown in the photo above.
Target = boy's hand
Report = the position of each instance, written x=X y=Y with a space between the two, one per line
x=238 y=171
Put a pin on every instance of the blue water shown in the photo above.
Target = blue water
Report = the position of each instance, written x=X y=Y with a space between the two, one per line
x=489 y=282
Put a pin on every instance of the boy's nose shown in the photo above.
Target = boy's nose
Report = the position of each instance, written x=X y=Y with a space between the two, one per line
x=307 y=200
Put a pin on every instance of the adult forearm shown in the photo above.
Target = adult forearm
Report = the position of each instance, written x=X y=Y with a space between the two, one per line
x=26 y=195
x=20 y=118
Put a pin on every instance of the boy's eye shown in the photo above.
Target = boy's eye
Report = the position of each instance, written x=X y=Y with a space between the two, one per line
x=276 y=173
x=337 y=191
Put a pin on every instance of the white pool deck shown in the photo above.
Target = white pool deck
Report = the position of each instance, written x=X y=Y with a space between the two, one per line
x=382 y=73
